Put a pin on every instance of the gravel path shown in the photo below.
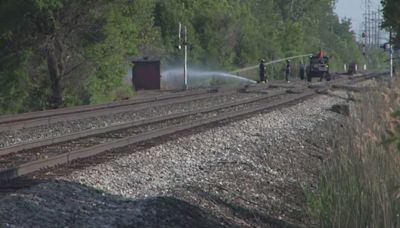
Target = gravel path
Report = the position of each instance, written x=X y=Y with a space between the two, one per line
x=9 y=138
x=246 y=173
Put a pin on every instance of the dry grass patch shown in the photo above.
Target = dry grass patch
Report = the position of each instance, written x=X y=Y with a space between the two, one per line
x=360 y=183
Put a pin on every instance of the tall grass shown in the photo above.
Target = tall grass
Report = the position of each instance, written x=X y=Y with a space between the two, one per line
x=359 y=185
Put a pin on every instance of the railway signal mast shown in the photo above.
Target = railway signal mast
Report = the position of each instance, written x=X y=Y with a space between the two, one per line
x=390 y=47
x=391 y=61
x=183 y=42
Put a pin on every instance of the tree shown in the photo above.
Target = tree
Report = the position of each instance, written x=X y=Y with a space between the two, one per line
x=66 y=52
x=72 y=38
x=391 y=9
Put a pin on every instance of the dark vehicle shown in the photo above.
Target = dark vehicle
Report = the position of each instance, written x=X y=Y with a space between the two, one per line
x=319 y=67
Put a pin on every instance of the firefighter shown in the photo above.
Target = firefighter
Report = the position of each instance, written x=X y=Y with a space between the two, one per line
x=262 y=71
x=287 y=70
x=321 y=53
x=302 y=71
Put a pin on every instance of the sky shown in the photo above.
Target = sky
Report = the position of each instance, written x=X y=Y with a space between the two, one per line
x=354 y=9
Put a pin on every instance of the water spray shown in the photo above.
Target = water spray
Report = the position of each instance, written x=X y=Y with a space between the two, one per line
x=201 y=78
x=269 y=63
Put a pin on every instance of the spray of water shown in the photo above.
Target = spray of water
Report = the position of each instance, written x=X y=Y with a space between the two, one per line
x=173 y=78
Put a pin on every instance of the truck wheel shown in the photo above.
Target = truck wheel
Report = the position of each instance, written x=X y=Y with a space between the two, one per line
x=328 y=77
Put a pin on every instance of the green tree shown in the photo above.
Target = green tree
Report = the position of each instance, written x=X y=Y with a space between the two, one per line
x=67 y=52
x=75 y=46
x=391 y=9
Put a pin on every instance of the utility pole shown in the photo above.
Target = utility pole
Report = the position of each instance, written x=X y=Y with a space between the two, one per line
x=365 y=34
x=391 y=61
x=183 y=42
x=379 y=26
x=391 y=53
x=185 y=71
x=377 y=29
x=369 y=25
x=373 y=28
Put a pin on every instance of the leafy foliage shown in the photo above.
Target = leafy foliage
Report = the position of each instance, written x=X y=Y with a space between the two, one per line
x=391 y=9
x=67 y=52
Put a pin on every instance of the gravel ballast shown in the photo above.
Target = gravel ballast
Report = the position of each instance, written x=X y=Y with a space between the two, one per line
x=9 y=138
x=246 y=173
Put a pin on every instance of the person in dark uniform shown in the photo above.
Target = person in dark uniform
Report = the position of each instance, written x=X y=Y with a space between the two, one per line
x=302 y=71
x=262 y=71
x=288 y=70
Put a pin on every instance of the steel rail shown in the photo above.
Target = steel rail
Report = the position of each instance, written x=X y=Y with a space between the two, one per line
x=93 y=132
x=37 y=165
x=26 y=120
x=11 y=119
x=47 y=120
x=352 y=88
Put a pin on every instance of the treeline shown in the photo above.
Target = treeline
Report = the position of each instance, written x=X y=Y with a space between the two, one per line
x=391 y=9
x=58 y=53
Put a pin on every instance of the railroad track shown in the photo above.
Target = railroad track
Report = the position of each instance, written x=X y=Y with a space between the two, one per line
x=30 y=157
x=27 y=120
x=109 y=118
x=135 y=124
x=22 y=120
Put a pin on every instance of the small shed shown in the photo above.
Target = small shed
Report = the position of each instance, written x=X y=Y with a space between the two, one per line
x=146 y=74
